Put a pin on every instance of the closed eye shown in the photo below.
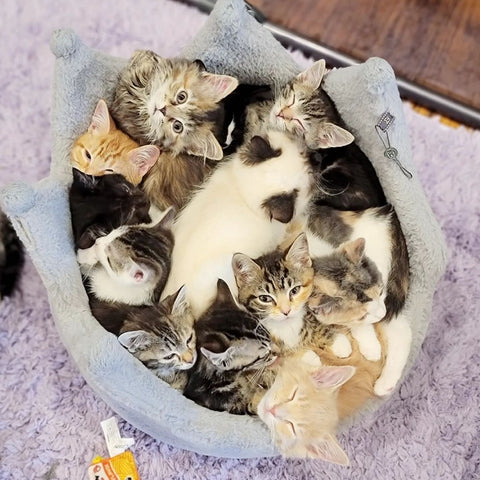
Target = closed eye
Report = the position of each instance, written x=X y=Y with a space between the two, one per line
x=293 y=395
x=291 y=426
x=169 y=357
x=108 y=170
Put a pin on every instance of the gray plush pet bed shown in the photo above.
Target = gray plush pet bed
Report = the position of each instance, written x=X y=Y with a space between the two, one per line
x=231 y=42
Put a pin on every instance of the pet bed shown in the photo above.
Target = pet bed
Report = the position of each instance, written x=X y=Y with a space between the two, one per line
x=231 y=42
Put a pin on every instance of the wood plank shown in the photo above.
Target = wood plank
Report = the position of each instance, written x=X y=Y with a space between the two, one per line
x=435 y=43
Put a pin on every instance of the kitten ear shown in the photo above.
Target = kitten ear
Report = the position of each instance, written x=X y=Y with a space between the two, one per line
x=245 y=269
x=298 y=254
x=208 y=147
x=143 y=158
x=219 y=86
x=332 y=377
x=200 y=65
x=102 y=123
x=224 y=295
x=330 y=135
x=312 y=77
x=165 y=222
x=213 y=357
x=327 y=448
x=180 y=305
x=354 y=250
x=135 y=340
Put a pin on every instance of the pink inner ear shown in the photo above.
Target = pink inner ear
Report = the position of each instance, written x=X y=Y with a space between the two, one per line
x=332 y=377
x=138 y=276
x=143 y=158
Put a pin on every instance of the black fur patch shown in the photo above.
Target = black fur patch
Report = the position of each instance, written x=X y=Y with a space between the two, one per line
x=281 y=207
x=327 y=223
x=259 y=150
x=12 y=258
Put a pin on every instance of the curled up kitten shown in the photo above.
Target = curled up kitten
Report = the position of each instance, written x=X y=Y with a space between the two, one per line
x=161 y=336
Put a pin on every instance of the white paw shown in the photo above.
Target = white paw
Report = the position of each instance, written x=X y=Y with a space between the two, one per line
x=371 y=351
x=371 y=318
x=87 y=256
x=341 y=346
x=384 y=386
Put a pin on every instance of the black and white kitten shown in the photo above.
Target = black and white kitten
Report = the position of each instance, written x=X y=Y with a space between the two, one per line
x=233 y=353
x=11 y=257
x=161 y=336
x=131 y=264
x=98 y=205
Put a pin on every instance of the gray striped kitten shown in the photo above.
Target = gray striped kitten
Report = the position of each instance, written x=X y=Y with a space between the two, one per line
x=234 y=351
x=175 y=104
x=131 y=264
x=161 y=336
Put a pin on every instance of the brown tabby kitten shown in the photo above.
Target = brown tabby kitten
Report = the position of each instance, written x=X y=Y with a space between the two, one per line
x=234 y=351
x=300 y=408
x=175 y=104
x=104 y=149
x=161 y=336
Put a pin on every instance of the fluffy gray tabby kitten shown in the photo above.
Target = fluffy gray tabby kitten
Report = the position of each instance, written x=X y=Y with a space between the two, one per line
x=161 y=336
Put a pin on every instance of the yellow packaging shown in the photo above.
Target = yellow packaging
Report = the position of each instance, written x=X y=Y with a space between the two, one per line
x=120 y=467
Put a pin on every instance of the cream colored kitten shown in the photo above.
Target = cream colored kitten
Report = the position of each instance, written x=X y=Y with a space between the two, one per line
x=300 y=408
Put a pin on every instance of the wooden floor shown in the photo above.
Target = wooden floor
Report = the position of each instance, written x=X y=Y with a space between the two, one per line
x=435 y=43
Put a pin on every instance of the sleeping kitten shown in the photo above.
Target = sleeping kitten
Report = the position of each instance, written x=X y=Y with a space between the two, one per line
x=345 y=177
x=161 y=336
x=104 y=149
x=98 y=205
x=175 y=104
x=300 y=408
x=233 y=353
x=131 y=264
x=244 y=206
x=384 y=246
x=11 y=257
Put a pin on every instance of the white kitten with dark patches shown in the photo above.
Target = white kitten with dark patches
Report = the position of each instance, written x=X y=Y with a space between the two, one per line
x=244 y=206
x=131 y=263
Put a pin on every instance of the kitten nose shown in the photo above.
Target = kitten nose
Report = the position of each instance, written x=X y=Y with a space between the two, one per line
x=286 y=310
x=162 y=110
x=286 y=113
x=187 y=357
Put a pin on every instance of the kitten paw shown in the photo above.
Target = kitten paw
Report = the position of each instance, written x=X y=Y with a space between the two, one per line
x=341 y=346
x=87 y=256
x=371 y=351
x=383 y=387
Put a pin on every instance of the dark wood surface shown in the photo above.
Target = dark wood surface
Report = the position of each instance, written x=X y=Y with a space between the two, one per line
x=434 y=43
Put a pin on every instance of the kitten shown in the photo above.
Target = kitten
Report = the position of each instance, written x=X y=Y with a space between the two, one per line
x=12 y=257
x=104 y=149
x=263 y=187
x=384 y=246
x=300 y=408
x=131 y=264
x=161 y=336
x=98 y=205
x=234 y=351
x=345 y=177
x=276 y=287
x=177 y=105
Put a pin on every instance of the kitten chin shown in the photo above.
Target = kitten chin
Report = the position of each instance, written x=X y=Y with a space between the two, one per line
x=287 y=329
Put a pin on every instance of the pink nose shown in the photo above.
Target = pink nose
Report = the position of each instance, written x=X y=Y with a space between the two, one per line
x=272 y=410
x=286 y=311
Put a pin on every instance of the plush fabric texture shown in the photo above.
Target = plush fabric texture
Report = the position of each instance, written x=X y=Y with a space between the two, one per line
x=40 y=214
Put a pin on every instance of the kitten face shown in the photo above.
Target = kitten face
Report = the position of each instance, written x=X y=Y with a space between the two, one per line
x=167 y=341
x=104 y=149
x=348 y=287
x=301 y=108
x=300 y=408
x=232 y=339
x=275 y=286
x=172 y=103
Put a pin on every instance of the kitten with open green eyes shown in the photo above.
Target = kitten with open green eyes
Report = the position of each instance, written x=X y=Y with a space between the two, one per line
x=161 y=336
x=177 y=105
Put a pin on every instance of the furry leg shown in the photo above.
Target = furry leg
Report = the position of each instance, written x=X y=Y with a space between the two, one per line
x=341 y=346
x=398 y=336
x=368 y=342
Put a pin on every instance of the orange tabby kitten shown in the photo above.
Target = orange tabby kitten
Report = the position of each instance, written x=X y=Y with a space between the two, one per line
x=104 y=149
x=300 y=408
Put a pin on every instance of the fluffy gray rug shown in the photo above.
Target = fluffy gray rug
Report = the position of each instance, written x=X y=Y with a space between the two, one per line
x=49 y=417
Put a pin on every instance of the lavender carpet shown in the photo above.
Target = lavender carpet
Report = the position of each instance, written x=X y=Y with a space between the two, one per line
x=49 y=417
